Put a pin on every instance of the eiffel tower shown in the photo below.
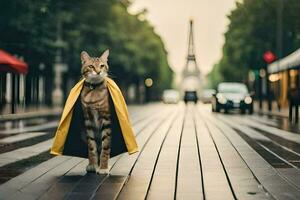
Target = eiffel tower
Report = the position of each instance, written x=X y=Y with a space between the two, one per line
x=191 y=69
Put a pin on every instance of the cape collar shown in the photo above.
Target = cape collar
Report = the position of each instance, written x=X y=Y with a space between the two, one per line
x=92 y=85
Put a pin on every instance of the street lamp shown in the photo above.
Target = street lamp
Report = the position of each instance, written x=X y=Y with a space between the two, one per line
x=59 y=68
x=148 y=84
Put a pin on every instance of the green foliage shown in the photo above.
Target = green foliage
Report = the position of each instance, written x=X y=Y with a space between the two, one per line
x=253 y=31
x=214 y=77
x=29 y=28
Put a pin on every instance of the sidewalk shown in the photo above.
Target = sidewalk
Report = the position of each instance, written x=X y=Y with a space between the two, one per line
x=284 y=112
x=185 y=152
x=28 y=112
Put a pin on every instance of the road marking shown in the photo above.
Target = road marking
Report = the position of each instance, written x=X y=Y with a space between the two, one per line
x=262 y=119
x=20 y=137
x=29 y=151
x=189 y=172
x=146 y=166
x=23 y=153
x=262 y=140
x=163 y=184
x=275 y=131
x=245 y=129
x=40 y=127
x=144 y=161
x=273 y=182
x=213 y=172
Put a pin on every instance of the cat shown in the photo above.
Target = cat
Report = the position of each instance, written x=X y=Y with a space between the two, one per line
x=96 y=110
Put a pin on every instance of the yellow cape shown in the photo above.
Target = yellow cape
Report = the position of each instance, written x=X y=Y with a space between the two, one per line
x=121 y=115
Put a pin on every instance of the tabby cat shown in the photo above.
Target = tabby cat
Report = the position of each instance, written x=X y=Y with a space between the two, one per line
x=97 y=115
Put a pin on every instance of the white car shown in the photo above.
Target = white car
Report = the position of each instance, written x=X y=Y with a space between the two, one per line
x=170 y=96
x=207 y=95
x=232 y=96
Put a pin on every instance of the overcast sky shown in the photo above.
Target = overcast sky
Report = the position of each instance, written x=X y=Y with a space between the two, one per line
x=171 y=19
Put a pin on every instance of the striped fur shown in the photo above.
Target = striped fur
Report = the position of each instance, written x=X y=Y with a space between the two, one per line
x=97 y=116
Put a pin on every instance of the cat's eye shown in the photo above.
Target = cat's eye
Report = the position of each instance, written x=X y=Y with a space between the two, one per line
x=91 y=66
x=102 y=65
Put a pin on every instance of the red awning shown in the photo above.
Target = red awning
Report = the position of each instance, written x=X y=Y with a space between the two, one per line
x=9 y=63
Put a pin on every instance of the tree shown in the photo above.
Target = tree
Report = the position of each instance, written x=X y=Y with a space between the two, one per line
x=29 y=28
x=252 y=31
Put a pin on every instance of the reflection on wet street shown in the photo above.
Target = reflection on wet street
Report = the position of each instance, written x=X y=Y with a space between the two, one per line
x=21 y=123
x=254 y=146
x=282 y=123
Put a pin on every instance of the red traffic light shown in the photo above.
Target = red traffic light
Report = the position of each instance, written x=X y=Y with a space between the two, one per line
x=269 y=56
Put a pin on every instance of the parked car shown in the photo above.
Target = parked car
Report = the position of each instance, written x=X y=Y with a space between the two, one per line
x=232 y=96
x=190 y=96
x=207 y=95
x=170 y=96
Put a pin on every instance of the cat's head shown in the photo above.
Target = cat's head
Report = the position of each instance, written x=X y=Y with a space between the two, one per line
x=94 y=69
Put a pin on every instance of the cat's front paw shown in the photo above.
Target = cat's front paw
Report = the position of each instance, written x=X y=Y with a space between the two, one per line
x=90 y=168
x=102 y=171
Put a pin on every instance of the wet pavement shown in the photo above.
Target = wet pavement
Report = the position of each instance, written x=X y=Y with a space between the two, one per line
x=282 y=123
x=185 y=151
x=21 y=123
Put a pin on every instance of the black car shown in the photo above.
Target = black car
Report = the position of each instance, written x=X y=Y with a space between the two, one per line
x=232 y=96
x=190 y=96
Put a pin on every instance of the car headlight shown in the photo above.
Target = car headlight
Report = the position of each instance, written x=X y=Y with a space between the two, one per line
x=248 y=100
x=222 y=100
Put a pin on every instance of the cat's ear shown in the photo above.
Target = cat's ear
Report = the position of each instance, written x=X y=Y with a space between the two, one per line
x=84 y=56
x=104 y=56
